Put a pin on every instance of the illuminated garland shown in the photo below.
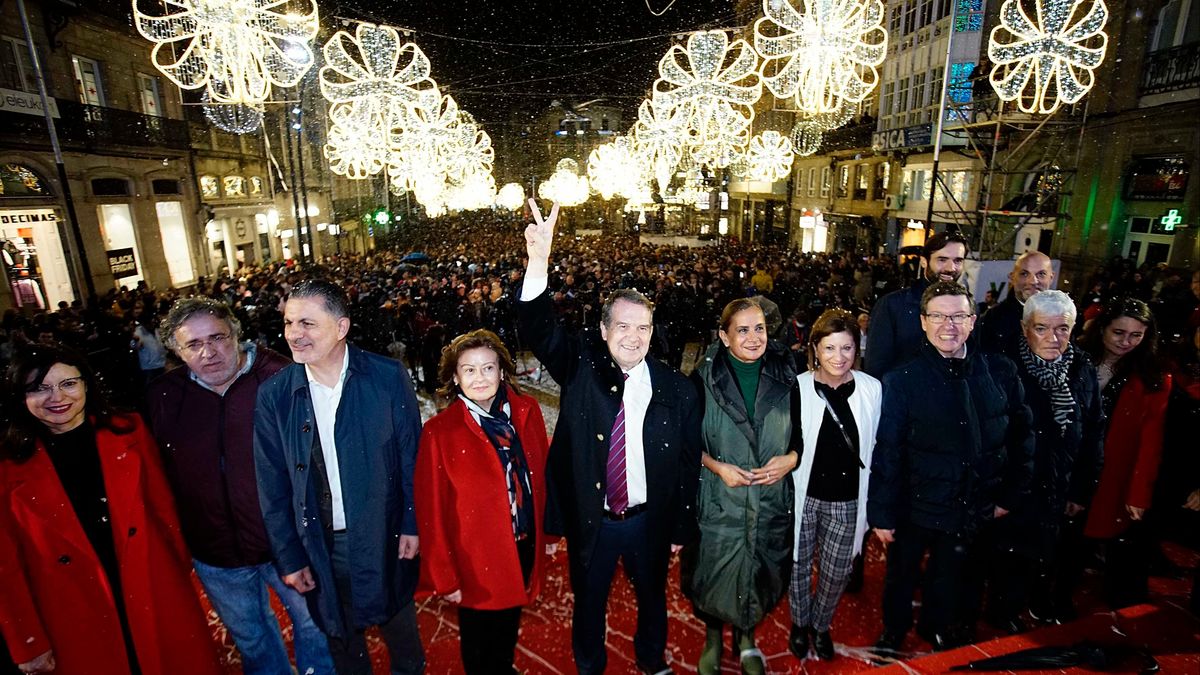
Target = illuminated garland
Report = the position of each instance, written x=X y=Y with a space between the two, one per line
x=769 y=156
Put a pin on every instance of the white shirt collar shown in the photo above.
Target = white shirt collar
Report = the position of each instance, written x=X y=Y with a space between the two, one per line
x=639 y=372
x=341 y=378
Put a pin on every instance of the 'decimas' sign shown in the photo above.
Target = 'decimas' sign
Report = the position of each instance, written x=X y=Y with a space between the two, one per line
x=122 y=263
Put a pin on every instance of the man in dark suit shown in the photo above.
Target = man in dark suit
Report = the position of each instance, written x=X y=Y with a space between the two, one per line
x=335 y=445
x=625 y=460
x=1000 y=329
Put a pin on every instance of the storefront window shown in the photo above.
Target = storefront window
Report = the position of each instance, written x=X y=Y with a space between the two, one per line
x=1157 y=178
x=843 y=187
x=883 y=174
x=116 y=228
x=175 y=242
x=18 y=180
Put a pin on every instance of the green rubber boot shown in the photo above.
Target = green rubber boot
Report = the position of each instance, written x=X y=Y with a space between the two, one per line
x=753 y=661
x=710 y=658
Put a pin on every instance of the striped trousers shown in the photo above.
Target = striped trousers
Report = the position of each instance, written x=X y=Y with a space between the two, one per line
x=827 y=528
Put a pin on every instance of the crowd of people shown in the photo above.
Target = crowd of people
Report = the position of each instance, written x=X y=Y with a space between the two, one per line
x=828 y=400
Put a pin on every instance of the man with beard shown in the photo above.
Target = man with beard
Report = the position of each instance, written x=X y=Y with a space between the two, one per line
x=954 y=450
x=895 y=321
x=1000 y=329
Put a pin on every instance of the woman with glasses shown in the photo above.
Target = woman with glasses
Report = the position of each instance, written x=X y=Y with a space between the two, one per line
x=96 y=575
x=1134 y=389
x=480 y=495
x=839 y=413
x=738 y=570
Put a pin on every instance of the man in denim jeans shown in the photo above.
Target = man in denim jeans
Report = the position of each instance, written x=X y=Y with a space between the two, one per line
x=203 y=417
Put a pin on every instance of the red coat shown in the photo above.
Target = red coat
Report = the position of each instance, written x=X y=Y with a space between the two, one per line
x=1132 y=450
x=463 y=514
x=55 y=594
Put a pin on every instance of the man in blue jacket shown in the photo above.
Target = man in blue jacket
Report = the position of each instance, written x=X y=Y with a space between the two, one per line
x=335 y=444
x=954 y=450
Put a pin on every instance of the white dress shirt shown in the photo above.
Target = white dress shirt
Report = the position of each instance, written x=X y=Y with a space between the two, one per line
x=636 y=400
x=325 y=402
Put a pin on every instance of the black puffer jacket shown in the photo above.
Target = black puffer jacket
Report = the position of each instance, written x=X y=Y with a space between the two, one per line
x=953 y=443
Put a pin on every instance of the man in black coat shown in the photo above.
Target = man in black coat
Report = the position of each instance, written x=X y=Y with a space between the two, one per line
x=953 y=450
x=625 y=460
x=1000 y=329
x=895 y=326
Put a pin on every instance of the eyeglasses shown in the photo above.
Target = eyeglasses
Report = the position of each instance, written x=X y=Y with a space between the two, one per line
x=69 y=386
x=956 y=319
x=213 y=343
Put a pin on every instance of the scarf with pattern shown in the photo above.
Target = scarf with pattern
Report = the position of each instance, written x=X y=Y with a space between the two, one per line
x=1054 y=379
x=498 y=427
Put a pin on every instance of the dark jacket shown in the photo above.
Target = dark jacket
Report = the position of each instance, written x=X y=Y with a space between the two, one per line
x=999 y=329
x=895 y=334
x=208 y=452
x=592 y=388
x=741 y=562
x=951 y=446
x=377 y=430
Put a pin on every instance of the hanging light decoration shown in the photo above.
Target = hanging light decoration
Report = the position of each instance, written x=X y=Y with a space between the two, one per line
x=613 y=169
x=822 y=53
x=511 y=196
x=565 y=185
x=806 y=137
x=711 y=85
x=769 y=156
x=658 y=141
x=235 y=118
x=349 y=148
x=1046 y=61
x=235 y=50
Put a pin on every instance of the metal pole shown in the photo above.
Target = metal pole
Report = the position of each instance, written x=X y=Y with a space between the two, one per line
x=937 y=136
x=83 y=271
x=312 y=248
x=287 y=139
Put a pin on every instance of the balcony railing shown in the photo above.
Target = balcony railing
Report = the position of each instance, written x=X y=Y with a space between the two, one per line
x=82 y=126
x=1171 y=69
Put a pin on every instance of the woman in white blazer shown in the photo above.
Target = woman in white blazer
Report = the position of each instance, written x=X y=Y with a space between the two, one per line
x=839 y=417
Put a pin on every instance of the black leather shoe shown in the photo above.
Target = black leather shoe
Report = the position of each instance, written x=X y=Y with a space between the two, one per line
x=798 y=640
x=889 y=642
x=660 y=669
x=823 y=645
x=940 y=641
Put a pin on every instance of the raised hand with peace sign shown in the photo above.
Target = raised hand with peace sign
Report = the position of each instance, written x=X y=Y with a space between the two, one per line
x=539 y=236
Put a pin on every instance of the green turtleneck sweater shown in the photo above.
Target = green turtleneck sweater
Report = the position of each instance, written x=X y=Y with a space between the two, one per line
x=747 y=379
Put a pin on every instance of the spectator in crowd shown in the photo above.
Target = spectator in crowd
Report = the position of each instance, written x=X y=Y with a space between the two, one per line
x=203 y=417
x=947 y=415
x=1000 y=330
x=152 y=356
x=480 y=519
x=1019 y=551
x=1135 y=391
x=737 y=571
x=896 y=326
x=97 y=578
x=337 y=492
x=989 y=301
x=633 y=423
x=839 y=414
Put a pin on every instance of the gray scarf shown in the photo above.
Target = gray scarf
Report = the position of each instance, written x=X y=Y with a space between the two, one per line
x=1053 y=378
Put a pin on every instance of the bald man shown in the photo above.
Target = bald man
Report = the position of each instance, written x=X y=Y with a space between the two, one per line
x=1000 y=329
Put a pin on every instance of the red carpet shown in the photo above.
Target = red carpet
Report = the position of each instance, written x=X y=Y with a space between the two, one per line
x=545 y=645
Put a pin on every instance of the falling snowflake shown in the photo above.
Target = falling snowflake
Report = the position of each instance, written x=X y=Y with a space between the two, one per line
x=1046 y=61
x=235 y=50
x=822 y=52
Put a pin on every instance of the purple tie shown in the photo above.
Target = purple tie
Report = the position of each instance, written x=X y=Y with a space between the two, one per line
x=617 y=491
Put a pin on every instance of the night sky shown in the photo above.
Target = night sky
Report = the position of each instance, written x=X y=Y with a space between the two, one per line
x=496 y=57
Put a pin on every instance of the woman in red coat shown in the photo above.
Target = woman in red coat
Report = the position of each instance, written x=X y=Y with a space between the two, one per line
x=1122 y=342
x=96 y=578
x=480 y=494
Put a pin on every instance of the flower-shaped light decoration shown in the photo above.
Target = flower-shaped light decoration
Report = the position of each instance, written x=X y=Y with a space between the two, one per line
x=235 y=118
x=477 y=191
x=711 y=84
x=658 y=140
x=806 y=137
x=349 y=148
x=770 y=156
x=511 y=196
x=722 y=138
x=613 y=169
x=1048 y=60
x=565 y=185
x=821 y=52
x=235 y=50
x=467 y=151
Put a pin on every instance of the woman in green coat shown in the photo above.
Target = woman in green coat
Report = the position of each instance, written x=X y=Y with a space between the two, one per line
x=738 y=569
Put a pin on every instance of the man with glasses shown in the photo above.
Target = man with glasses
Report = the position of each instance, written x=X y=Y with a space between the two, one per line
x=203 y=417
x=954 y=450
x=1000 y=329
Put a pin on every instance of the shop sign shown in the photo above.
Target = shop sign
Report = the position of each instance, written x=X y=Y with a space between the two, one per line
x=25 y=102
x=27 y=216
x=122 y=263
x=908 y=137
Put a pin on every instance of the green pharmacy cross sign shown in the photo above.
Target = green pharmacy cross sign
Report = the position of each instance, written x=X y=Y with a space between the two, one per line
x=1170 y=220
